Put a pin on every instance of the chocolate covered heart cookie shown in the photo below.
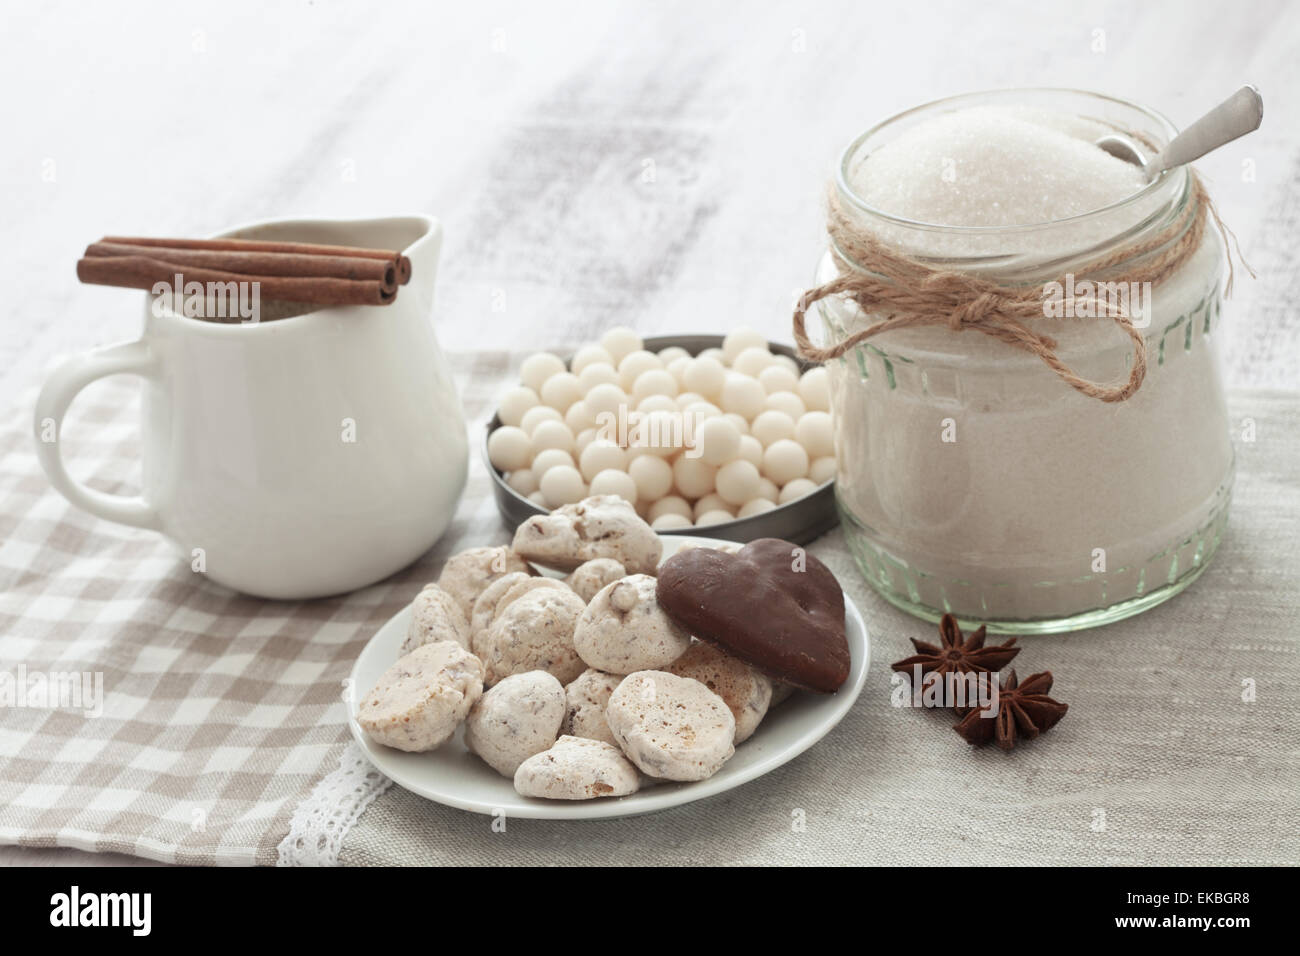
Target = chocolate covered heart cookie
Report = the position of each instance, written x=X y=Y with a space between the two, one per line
x=771 y=604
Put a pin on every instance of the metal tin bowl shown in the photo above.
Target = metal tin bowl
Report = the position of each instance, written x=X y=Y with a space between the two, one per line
x=799 y=521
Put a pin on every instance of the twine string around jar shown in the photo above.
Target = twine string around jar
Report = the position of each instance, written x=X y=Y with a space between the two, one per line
x=907 y=292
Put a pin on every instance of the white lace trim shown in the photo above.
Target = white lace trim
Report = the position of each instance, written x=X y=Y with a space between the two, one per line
x=319 y=823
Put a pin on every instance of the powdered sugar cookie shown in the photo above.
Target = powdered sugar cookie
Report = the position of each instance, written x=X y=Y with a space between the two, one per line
x=465 y=575
x=517 y=718
x=419 y=701
x=745 y=691
x=520 y=588
x=670 y=726
x=498 y=595
x=435 y=616
x=486 y=604
x=593 y=575
x=623 y=629
x=577 y=769
x=534 y=632
x=602 y=526
x=585 y=702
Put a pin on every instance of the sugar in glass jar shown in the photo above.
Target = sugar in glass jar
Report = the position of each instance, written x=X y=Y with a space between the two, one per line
x=970 y=477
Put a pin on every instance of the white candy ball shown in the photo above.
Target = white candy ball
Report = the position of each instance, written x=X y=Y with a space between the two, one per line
x=656 y=381
x=772 y=426
x=713 y=517
x=688 y=398
x=767 y=489
x=553 y=435
x=751 y=449
x=538 y=499
x=737 y=481
x=755 y=506
x=620 y=341
x=587 y=356
x=634 y=364
x=784 y=461
x=670 y=522
x=524 y=481
x=753 y=360
x=653 y=477
x=822 y=470
x=656 y=403
x=606 y=399
x=694 y=478
x=739 y=339
x=742 y=395
x=718 y=441
x=561 y=390
x=579 y=417
x=700 y=411
x=711 y=502
x=677 y=367
x=742 y=426
x=634 y=452
x=716 y=354
x=672 y=354
x=788 y=363
x=666 y=432
x=539 y=367
x=796 y=489
x=514 y=403
x=582 y=440
x=598 y=373
x=705 y=375
x=778 y=378
x=813 y=431
x=509 y=448
x=549 y=458
x=611 y=481
x=538 y=414
x=601 y=455
x=670 y=504
x=787 y=402
x=562 y=485
x=660 y=433
x=815 y=389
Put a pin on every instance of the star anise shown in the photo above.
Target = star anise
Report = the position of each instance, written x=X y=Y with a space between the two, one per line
x=958 y=656
x=1022 y=710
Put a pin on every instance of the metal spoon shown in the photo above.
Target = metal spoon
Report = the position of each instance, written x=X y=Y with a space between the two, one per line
x=1236 y=116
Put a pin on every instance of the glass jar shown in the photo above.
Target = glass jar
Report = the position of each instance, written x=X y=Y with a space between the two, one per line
x=970 y=478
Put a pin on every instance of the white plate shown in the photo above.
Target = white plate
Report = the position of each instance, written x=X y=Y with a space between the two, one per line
x=453 y=776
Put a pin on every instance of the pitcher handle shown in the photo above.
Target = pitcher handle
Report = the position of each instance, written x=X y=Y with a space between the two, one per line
x=131 y=358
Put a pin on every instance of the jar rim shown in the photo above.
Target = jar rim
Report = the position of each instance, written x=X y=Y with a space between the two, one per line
x=850 y=155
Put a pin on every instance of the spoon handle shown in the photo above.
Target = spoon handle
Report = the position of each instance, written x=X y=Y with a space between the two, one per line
x=1238 y=115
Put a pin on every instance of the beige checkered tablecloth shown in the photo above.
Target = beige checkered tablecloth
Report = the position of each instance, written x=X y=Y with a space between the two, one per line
x=220 y=713
x=223 y=734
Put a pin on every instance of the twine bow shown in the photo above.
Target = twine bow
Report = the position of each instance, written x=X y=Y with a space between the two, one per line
x=910 y=293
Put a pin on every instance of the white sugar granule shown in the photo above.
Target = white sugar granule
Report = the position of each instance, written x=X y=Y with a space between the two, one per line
x=993 y=167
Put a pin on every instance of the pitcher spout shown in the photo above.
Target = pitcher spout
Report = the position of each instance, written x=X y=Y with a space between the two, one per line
x=418 y=237
x=423 y=252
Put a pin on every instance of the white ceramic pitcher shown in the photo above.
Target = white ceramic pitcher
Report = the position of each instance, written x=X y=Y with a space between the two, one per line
x=293 y=458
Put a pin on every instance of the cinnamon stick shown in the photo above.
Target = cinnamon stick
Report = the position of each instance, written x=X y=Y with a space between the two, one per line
x=229 y=244
x=255 y=264
x=145 y=272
